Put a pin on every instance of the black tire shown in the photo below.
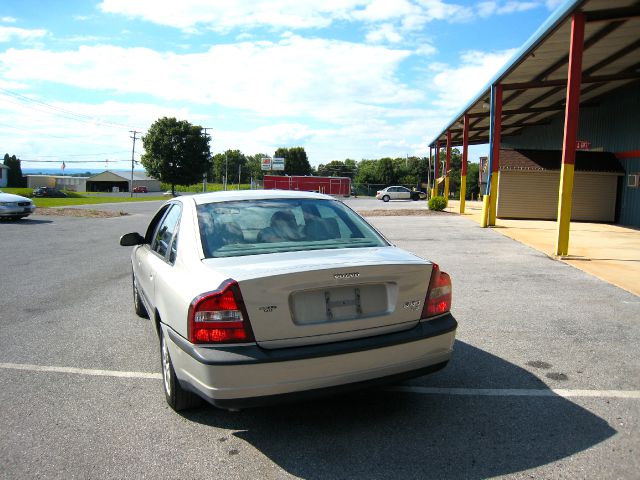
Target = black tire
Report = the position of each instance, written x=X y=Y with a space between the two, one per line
x=415 y=196
x=385 y=198
x=177 y=397
x=138 y=306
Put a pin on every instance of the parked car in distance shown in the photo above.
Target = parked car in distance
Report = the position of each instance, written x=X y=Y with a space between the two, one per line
x=140 y=189
x=258 y=296
x=15 y=206
x=399 y=193
x=48 y=192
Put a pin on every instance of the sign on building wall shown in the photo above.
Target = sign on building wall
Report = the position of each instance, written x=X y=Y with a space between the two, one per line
x=583 y=145
x=277 y=163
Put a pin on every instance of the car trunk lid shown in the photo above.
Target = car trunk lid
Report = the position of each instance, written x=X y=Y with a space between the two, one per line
x=302 y=298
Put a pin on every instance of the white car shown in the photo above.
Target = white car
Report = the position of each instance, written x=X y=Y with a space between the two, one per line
x=265 y=295
x=15 y=206
x=399 y=193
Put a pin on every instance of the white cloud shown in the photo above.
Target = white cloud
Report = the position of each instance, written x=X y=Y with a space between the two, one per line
x=488 y=8
x=553 y=4
x=384 y=33
x=8 y=20
x=189 y=15
x=9 y=33
x=295 y=76
x=31 y=130
x=426 y=50
x=456 y=85
x=383 y=10
x=221 y=16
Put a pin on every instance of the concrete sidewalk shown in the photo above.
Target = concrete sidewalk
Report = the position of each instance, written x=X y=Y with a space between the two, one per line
x=610 y=252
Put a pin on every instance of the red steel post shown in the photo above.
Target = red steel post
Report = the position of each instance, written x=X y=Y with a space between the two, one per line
x=572 y=110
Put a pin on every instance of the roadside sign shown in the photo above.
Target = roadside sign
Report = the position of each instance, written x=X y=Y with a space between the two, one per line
x=277 y=163
x=266 y=163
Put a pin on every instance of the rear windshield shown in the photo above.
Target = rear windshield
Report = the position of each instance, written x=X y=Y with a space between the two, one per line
x=253 y=227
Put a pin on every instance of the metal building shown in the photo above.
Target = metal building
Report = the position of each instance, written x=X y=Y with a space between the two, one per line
x=575 y=84
x=108 y=181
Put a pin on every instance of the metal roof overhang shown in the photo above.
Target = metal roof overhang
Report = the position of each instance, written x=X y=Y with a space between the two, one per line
x=534 y=80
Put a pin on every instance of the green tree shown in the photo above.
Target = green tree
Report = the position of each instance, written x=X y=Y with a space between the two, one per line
x=228 y=164
x=254 y=166
x=473 y=188
x=14 y=175
x=176 y=152
x=295 y=161
x=338 y=168
x=366 y=172
x=386 y=171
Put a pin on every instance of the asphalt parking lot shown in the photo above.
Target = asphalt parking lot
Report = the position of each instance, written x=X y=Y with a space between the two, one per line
x=544 y=382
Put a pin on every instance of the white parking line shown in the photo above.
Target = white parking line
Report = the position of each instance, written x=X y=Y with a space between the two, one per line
x=474 y=392
x=518 y=392
x=79 y=371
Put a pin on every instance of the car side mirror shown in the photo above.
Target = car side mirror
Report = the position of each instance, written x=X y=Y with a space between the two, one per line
x=131 y=239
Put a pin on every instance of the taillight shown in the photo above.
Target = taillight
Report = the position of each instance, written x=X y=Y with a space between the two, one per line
x=438 y=300
x=219 y=317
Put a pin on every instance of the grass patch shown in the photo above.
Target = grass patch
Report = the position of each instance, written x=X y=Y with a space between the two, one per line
x=66 y=202
x=23 y=192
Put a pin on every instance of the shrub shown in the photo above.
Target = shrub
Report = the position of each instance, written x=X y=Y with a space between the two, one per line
x=437 y=203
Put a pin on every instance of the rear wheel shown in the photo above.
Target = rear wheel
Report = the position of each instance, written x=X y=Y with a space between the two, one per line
x=178 y=398
x=415 y=196
x=138 y=306
x=385 y=198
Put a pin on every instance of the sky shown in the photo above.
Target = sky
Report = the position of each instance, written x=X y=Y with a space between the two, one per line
x=357 y=79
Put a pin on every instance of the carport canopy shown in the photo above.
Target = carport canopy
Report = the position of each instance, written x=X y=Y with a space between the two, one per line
x=534 y=82
x=584 y=52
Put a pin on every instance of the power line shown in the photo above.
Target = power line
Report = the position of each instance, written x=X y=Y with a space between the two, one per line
x=75 y=161
x=69 y=114
x=65 y=155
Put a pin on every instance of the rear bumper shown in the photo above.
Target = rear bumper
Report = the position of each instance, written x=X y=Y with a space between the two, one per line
x=247 y=375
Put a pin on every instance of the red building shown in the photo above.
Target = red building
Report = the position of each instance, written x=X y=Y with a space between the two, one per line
x=327 y=185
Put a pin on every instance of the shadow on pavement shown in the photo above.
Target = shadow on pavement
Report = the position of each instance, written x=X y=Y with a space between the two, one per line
x=384 y=434
x=26 y=221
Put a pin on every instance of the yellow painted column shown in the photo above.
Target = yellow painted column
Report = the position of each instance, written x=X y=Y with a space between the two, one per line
x=485 y=211
x=446 y=188
x=463 y=192
x=564 y=208
x=493 y=199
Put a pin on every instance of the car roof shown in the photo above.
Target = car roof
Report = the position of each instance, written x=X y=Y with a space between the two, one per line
x=238 y=195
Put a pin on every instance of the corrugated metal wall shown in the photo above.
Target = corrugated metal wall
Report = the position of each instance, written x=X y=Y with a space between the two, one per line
x=630 y=197
x=531 y=194
x=612 y=126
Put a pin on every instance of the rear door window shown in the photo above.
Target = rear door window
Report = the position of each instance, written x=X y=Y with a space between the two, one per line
x=165 y=232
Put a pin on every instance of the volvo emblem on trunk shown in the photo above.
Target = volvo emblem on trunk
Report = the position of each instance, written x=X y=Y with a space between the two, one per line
x=339 y=276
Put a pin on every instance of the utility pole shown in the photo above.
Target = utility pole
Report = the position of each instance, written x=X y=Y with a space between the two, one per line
x=133 y=151
x=239 y=175
x=226 y=170
x=204 y=177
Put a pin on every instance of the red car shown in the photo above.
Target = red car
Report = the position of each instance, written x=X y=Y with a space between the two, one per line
x=140 y=189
